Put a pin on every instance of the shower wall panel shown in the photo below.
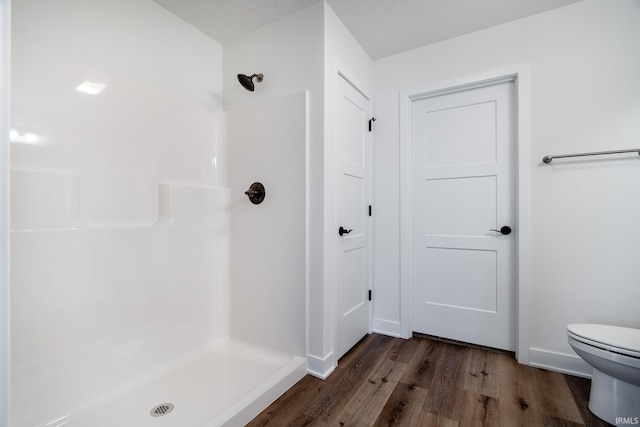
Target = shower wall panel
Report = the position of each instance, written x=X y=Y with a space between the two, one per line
x=268 y=143
x=119 y=241
x=98 y=309
x=157 y=119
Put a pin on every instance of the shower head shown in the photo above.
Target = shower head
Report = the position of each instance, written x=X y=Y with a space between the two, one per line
x=247 y=81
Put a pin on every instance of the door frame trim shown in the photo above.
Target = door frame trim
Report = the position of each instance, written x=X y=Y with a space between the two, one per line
x=519 y=74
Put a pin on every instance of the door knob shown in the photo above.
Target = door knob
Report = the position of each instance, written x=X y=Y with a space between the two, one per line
x=505 y=229
x=342 y=231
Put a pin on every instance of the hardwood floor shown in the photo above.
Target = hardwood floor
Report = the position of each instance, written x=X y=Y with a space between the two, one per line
x=386 y=381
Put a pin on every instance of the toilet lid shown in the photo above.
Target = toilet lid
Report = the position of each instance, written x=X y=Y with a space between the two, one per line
x=611 y=337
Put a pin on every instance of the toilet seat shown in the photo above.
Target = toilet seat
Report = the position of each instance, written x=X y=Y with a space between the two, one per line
x=617 y=339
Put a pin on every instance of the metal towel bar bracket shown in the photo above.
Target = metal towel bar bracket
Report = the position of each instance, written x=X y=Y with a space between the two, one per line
x=548 y=159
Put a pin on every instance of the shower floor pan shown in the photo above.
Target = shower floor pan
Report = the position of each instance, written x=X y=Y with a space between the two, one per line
x=222 y=385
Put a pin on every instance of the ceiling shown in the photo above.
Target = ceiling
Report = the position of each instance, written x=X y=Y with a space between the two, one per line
x=382 y=27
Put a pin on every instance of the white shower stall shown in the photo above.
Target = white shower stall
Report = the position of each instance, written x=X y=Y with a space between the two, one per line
x=143 y=279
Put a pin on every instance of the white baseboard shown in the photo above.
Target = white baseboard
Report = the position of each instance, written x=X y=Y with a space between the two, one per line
x=560 y=362
x=387 y=327
x=320 y=367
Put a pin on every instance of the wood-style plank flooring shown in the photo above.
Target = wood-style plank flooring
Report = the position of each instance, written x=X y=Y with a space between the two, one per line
x=386 y=381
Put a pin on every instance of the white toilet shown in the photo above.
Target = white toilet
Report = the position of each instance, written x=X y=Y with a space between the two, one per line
x=614 y=354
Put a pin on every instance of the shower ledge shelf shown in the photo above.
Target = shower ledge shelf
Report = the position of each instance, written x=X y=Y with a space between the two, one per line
x=50 y=201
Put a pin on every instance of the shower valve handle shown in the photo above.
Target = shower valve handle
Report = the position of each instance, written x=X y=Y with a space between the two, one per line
x=342 y=231
x=256 y=193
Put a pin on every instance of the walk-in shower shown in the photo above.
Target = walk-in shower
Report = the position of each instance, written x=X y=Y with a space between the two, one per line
x=131 y=301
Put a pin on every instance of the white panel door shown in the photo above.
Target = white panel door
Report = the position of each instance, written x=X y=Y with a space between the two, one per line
x=352 y=160
x=462 y=188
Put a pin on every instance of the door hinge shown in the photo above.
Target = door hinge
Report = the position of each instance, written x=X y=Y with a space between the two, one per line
x=369 y=210
x=371 y=120
x=369 y=294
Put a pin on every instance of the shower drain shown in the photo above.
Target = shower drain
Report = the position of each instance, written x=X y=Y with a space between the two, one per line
x=161 y=409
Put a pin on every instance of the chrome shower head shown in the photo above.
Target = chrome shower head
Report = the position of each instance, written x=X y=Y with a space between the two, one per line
x=247 y=81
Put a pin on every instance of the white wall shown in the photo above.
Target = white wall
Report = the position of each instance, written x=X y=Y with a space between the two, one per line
x=5 y=85
x=155 y=121
x=289 y=54
x=585 y=96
